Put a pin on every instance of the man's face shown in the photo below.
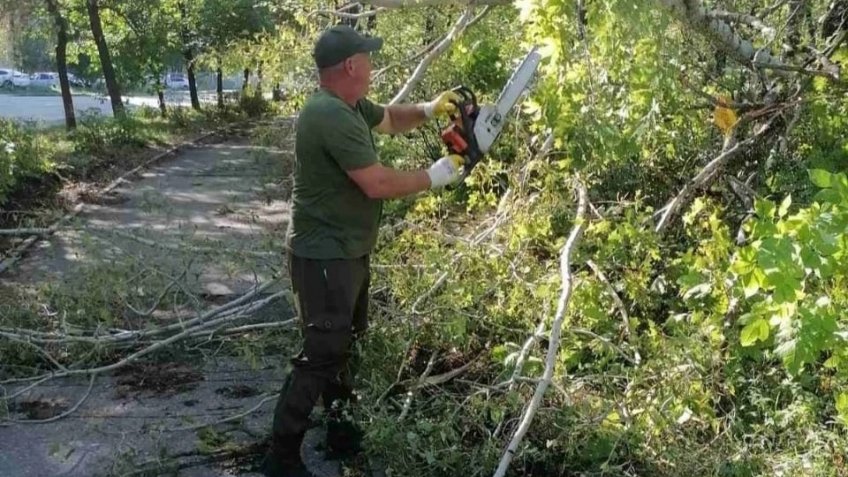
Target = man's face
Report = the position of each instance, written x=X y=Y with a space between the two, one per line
x=359 y=68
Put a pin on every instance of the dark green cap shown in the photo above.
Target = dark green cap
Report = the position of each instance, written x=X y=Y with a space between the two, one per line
x=340 y=43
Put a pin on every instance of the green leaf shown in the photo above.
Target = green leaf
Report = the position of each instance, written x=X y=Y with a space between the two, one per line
x=753 y=283
x=785 y=289
x=821 y=178
x=827 y=196
x=754 y=331
x=764 y=208
x=784 y=206
x=842 y=407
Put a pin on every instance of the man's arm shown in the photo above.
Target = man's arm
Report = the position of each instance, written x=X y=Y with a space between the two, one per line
x=381 y=182
x=400 y=118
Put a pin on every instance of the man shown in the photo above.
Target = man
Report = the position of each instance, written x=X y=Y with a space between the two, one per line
x=336 y=207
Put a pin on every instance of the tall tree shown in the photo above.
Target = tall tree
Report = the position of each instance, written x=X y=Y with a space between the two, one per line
x=105 y=58
x=225 y=23
x=187 y=20
x=62 y=61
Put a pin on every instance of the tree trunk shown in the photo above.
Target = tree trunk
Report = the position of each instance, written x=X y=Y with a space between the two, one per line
x=62 y=63
x=246 y=79
x=220 y=84
x=161 y=94
x=188 y=54
x=259 y=79
x=105 y=58
x=192 y=81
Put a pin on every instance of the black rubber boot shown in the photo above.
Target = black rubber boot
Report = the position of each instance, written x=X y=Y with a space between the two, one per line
x=283 y=459
x=344 y=440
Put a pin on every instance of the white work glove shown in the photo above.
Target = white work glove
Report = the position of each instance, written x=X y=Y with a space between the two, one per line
x=445 y=171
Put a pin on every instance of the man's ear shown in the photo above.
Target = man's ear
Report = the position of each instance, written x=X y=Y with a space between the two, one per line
x=349 y=66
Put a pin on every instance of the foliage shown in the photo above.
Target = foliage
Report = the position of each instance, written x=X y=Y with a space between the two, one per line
x=23 y=154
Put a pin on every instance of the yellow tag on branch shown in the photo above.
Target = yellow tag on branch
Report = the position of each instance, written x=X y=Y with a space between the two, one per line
x=724 y=117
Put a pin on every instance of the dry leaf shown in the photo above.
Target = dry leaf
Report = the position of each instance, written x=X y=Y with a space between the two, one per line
x=724 y=117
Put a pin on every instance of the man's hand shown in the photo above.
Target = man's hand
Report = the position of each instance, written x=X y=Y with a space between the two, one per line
x=442 y=105
x=445 y=171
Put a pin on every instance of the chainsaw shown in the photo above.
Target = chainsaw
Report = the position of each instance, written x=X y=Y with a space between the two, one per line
x=474 y=129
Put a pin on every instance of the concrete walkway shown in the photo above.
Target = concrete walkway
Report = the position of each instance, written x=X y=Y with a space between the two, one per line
x=218 y=213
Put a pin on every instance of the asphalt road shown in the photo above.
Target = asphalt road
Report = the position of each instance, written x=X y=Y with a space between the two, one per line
x=49 y=109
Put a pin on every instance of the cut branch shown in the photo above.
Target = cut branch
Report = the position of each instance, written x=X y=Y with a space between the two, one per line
x=454 y=33
x=556 y=331
x=719 y=31
x=430 y=3
x=705 y=176
x=346 y=15
x=751 y=20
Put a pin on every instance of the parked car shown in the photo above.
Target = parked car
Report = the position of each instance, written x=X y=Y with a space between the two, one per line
x=21 y=80
x=44 y=80
x=6 y=77
x=176 y=81
x=75 y=80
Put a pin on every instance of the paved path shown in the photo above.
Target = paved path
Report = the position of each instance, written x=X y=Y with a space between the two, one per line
x=227 y=198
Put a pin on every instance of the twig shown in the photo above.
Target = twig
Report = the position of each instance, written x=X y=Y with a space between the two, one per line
x=525 y=351
x=148 y=349
x=591 y=334
x=64 y=414
x=37 y=348
x=161 y=296
x=438 y=379
x=556 y=329
x=226 y=419
x=625 y=317
x=410 y=393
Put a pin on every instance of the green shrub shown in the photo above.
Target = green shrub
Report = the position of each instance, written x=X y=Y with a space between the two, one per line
x=95 y=135
x=23 y=153
x=253 y=104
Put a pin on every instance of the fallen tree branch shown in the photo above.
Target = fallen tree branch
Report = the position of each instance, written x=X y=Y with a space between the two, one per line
x=704 y=177
x=710 y=24
x=238 y=306
x=556 y=330
x=226 y=319
x=751 y=20
x=345 y=15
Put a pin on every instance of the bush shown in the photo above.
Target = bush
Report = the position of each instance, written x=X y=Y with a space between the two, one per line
x=23 y=153
x=95 y=135
x=253 y=104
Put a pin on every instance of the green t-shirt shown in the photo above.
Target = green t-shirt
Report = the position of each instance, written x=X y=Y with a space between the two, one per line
x=331 y=217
